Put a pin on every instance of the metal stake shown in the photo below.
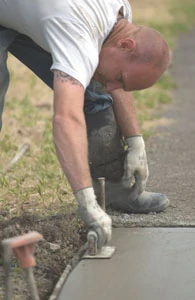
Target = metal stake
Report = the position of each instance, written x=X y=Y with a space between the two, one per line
x=32 y=284
x=7 y=256
x=23 y=247
x=101 y=198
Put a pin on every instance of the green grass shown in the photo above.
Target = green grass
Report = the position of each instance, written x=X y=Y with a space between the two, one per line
x=183 y=19
x=36 y=182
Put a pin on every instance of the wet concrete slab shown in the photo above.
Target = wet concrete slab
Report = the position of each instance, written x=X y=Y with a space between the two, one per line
x=149 y=263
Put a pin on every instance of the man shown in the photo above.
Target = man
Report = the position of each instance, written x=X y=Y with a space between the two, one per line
x=88 y=41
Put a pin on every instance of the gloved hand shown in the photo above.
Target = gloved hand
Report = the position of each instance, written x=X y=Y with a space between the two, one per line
x=135 y=166
x=93 y=216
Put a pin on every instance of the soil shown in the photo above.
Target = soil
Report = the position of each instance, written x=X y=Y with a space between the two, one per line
x=63 y=236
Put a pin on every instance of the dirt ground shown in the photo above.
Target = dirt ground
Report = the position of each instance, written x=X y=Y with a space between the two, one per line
x=63 y=236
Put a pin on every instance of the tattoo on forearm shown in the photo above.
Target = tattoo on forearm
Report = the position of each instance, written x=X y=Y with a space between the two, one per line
x=63 y=77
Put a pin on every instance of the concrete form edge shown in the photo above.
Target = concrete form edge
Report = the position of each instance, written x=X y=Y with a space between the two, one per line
x=69 y=268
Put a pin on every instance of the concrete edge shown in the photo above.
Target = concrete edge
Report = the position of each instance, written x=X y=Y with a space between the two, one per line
x=69 y=268
x=151 y=220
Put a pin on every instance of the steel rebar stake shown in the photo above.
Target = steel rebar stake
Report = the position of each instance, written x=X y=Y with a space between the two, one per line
x=22 y=247
x=32 y=284
x=7 y=257
x=101 y=198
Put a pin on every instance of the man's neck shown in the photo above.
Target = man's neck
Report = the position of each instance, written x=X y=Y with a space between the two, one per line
x=122 y=29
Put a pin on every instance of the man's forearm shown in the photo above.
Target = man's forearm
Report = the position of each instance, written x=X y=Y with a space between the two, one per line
x=124 y=109
x=69 y=130
x=72 y=150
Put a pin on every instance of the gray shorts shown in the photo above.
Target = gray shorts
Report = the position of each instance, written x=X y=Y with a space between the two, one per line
x=40 y=61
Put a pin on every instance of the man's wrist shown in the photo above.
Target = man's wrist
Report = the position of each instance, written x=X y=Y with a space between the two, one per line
x=85 y=196
x=135 y=141
x=132 y=136
x=87 y=187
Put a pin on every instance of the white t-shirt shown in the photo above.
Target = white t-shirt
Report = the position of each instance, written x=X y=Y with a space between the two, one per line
x=73 y=31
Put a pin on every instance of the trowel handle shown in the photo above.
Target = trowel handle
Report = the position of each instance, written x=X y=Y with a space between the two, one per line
x=92 y=239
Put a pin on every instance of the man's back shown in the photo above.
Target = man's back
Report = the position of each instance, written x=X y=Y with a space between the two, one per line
x=73 y=31
x=27 y=16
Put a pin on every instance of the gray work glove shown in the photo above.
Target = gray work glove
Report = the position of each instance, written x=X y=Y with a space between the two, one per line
x=135 y=166
x=93 y=216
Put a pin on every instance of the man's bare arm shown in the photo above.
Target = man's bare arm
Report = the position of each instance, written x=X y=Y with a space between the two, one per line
x=123 y=104
x=70 y=136
x=69 y=130
x=135 y=165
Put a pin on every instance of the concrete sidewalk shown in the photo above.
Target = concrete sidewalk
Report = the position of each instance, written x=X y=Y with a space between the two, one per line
x=148 y=264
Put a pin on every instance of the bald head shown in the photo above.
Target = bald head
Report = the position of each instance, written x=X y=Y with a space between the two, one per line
x=132 y=58
x=150 y=48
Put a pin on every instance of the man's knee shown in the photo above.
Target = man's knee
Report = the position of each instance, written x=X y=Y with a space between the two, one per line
x=106 y=151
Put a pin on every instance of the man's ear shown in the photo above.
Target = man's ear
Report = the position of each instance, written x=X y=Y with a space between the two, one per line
x=128 y=44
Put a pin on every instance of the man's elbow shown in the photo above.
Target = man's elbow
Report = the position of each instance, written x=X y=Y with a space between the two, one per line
x=68 y=122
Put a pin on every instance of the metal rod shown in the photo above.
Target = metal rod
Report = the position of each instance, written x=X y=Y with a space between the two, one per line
x=101 y=198
x=23 y=247
x=7 y=256
x=32 y=284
